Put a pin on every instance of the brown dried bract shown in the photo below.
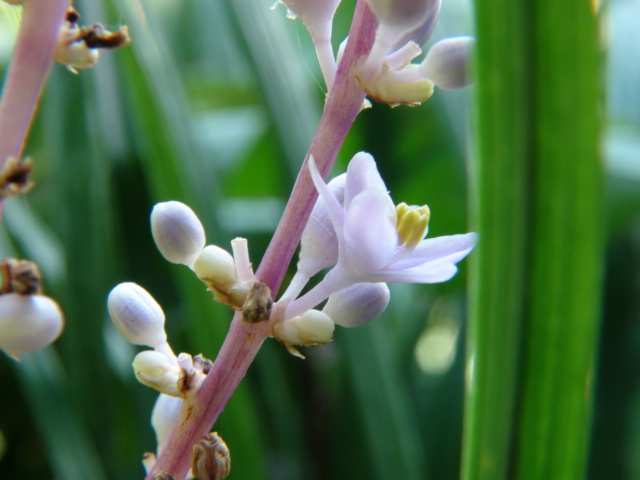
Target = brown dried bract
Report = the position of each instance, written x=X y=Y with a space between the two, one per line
x=202 y=363
x=20 y=276
x=257 y=305
x=210 y=458
x=163 y=476
x=14 y=177
x=96 y=36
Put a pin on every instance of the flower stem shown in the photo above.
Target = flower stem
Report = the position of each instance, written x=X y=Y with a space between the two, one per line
x=32 y=59
x=244 y=340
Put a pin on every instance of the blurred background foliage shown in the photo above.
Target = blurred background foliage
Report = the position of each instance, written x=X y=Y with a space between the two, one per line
x=214 y=104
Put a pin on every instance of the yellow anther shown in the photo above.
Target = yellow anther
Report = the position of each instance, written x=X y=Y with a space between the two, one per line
x=411 y=224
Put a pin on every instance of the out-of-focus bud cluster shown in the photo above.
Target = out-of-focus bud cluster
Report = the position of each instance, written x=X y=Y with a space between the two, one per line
x=387 y=74
x=29 y=321
x=78 y=47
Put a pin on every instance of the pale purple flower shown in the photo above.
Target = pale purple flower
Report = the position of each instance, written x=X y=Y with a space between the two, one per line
x=388 y=75
x=371 y=249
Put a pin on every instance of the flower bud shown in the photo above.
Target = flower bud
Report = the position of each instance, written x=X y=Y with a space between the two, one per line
x=447 y=62
x=358 y=304
x=28 y=322
x=210 y=458
x=404 y=14
x=311 y=328
x=217 y=269
x=156 y=370
x=421 y=34
x=164 y=416
x=177 y=232
x=136 y=315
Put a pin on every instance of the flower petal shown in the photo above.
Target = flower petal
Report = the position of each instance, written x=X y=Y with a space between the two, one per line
x=319 y=245
x=370 y=236
x=435 y=272
x=362 y=174
x=334 y=208
x=452 y=248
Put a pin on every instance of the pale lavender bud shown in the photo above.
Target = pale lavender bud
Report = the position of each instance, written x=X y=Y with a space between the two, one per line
x=447 y=62
x=402 y=14
x=28 y=322
x=178 y=232
x=358 y=304
x=137 y=315
x=422 y=33
x=311 y=328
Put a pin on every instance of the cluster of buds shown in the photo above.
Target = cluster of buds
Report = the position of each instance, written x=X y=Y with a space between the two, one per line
x=29 y=321
x=79 y=47
x=386 y=73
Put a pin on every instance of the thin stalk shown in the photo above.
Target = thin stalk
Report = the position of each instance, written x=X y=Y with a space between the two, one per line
x=244 y=340
x=32 y=59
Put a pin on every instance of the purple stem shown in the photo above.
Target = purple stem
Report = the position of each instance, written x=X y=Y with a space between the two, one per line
x=32 y=59
x=244 y=340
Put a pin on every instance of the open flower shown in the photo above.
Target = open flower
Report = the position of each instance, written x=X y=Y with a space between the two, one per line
x=378 y=242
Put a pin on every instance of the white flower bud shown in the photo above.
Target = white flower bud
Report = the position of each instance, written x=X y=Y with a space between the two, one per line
x=215 y=264
x=319 y=244
x=216 y=268
x=447 y=62
x=358 y=304
x=164 y=416
x=156 y=370
x=311 y=328
x=136 y=315
x=28 y=322
x=177 y=231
